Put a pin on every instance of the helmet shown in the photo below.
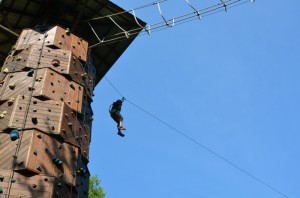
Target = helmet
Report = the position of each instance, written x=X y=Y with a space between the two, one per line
x=119 y=101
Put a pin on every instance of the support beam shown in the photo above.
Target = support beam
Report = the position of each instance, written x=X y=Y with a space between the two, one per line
x=9 y=31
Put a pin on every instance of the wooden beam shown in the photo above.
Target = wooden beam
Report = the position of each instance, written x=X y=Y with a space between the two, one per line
x=8 y=31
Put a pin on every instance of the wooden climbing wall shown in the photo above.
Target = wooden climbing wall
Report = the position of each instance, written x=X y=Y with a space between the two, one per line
x=46 y=89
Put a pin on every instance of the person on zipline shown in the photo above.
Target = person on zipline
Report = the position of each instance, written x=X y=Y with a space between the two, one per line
x=116 y=115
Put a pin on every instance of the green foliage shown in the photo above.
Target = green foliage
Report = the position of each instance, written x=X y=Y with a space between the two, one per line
x=95 y=190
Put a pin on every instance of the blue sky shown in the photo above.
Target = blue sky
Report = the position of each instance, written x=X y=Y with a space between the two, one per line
x=230 y=81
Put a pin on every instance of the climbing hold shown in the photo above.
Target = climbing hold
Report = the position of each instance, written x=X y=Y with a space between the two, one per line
x=1 y=189
x=34 y=185
x=45 y=179
x=5 y=70
x=30 y=88
x=70 y=124
x=13 y=180
x=1 y=178
x=19 y=58
x=34 y=121
x=68 y=31
x=55 y=62
x=35 y=152
x=83 y=75
x=60 y=42
x=57 y=161
x=34 y=110
x=14 y=135
x=39 y=135
x=91 y=119
x=39 y=168
x=12 y=86
x=10 y=101
x=20 y=163
x=59 y=184
x=72 y=86
x=30 y=73
x=1 y=116
x=4 y=112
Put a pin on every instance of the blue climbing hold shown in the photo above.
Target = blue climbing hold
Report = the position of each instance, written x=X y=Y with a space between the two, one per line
x=14 y=135
x=30 y=73
x=57 y=161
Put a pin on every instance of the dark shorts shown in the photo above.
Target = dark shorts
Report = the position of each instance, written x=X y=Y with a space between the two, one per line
x=117 y=116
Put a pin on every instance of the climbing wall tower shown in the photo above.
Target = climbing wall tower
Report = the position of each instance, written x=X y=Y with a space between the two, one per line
x=46 y=91
x=49 y=70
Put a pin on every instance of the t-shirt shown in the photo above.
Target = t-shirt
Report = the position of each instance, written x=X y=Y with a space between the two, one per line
x=117 y=106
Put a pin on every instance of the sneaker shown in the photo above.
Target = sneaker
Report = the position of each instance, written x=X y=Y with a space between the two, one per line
x=121 y=134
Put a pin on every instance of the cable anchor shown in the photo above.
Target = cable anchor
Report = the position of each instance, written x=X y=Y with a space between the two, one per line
x=224 y=5
x=197 y=12
x=161 y=14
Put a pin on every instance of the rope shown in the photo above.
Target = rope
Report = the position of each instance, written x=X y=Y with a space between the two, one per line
x=202 y=146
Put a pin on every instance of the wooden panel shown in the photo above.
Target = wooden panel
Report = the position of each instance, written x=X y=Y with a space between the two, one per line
x=56 y=37
x=47 y=84
x=35 y=186
x=28 y=37
x=37 y=153
x=6 y=109
x=51 y=117
x=36 y=56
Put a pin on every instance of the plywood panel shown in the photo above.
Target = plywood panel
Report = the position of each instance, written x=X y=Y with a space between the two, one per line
x=56 y=37
x=51 y=117
x=47 y=84
x=37 y=153
x=35 y=186
x=62 y=61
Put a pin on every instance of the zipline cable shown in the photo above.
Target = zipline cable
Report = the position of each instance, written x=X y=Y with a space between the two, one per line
x=199 y=144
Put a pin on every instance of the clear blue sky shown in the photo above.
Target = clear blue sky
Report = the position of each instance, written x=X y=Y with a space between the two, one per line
x=230 y=81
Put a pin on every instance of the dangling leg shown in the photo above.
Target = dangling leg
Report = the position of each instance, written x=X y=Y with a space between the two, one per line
x=120 y=123
x=117 y=120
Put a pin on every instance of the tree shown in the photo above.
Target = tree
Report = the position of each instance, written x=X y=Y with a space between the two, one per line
x=95 y=190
